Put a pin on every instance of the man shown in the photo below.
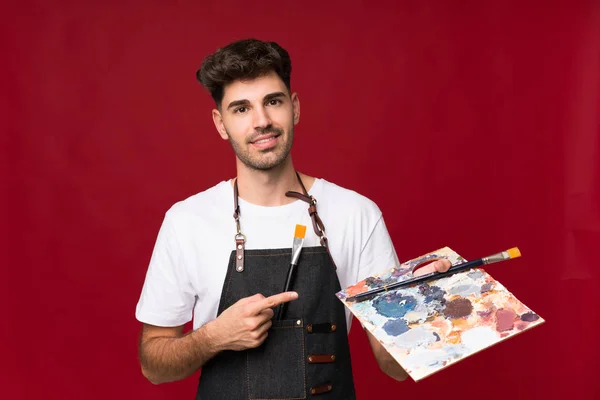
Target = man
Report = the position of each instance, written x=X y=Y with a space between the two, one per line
x=222 y=255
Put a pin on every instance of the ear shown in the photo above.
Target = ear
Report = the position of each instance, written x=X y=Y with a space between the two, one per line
x=296 y=107
x=218 y=121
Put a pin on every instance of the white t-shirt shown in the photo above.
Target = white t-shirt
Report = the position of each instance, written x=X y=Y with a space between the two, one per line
x=190 y=258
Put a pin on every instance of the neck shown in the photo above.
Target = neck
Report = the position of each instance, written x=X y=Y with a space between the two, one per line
x=268 y=188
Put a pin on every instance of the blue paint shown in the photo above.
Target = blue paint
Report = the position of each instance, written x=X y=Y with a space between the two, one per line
x=432 y=293
x=395 y=327
x=394 y=305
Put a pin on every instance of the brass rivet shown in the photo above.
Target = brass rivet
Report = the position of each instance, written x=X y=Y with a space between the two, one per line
x=309 y=328
x=240 y=257
x=240 y=268
x=333 y=327
x=310 y=359
x=328 y=387
x=313 y=391
x=298 y=322
x=332 y=358
x=239 y=246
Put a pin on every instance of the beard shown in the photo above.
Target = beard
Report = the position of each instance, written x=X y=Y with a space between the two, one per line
x=267 y=159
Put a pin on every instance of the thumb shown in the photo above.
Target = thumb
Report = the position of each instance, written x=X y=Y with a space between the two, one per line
x=442 y=265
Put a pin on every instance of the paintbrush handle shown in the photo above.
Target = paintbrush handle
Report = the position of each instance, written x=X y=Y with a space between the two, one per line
x=289 y=283
x=423 y=278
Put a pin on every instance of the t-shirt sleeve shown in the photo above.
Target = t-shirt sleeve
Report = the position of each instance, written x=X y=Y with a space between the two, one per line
x=378 y=253
x=167 y=297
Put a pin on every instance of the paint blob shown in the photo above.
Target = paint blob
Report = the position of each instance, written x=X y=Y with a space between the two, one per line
x=529 y=317
x=486 y=287
x=458 y=308
x=505 y=319
x=394 y=305
x=395 y=327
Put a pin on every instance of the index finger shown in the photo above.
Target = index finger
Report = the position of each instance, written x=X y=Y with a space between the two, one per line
x=271 y=301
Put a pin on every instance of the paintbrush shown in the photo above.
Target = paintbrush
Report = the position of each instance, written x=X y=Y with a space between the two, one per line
x=291 y=275
x=494 y=258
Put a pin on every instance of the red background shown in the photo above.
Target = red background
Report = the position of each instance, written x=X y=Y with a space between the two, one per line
x=471 y=125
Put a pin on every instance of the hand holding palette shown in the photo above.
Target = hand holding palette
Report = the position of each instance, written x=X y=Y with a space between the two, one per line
x=428 y=326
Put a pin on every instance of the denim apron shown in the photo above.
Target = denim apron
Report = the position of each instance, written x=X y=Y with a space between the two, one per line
x=306 y=353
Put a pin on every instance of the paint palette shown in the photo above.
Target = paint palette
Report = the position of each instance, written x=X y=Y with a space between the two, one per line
x=429 y=326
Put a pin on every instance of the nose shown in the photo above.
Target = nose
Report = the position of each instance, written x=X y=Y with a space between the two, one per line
x=261 y=118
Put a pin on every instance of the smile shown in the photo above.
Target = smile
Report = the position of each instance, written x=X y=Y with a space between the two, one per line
x=265 y=142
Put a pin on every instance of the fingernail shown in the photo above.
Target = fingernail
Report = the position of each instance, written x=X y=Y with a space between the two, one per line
x=294 y=295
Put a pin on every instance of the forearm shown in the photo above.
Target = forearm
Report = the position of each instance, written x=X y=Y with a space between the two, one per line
x=391 y=367
x=168 y=359
x=385 y=360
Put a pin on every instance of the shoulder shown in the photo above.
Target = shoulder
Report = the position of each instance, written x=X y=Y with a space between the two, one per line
x=201 y=202
x=346 y=199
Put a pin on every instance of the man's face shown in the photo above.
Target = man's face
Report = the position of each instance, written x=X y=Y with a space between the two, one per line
x=258 y=118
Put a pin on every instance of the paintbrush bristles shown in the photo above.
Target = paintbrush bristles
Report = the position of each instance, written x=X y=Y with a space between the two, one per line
x=514 y=252
x=300 y=231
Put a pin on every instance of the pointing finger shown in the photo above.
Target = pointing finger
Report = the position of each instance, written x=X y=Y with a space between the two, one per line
x=251 y=299
x=271 y=301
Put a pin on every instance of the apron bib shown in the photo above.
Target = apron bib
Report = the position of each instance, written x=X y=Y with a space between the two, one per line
x=306 y=353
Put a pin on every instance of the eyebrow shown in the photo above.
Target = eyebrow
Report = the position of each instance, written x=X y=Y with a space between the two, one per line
x=275 y=95
x=244 y=102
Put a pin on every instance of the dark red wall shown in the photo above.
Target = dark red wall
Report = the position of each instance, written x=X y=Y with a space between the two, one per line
x=472 y=124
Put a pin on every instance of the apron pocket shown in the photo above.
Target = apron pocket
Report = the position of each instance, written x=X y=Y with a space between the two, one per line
x=276 y=369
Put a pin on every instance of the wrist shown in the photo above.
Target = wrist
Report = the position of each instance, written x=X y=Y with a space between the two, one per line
x=212 y=337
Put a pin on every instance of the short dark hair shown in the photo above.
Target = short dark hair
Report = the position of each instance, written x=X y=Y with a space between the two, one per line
x=243 y=59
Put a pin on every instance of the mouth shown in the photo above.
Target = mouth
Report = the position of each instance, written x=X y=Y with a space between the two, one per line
x=265 y=141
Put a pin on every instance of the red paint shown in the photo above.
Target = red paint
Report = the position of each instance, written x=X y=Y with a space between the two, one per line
x=505 y=319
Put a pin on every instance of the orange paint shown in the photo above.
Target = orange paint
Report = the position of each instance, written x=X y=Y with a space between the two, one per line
x=356 y=289
x=453 y=337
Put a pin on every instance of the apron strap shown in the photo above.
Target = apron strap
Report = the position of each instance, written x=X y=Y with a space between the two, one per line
x=240 y=239
x=318 y=226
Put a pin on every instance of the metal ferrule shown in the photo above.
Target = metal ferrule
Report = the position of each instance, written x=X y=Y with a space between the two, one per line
x=296 y=250
x=496 y=257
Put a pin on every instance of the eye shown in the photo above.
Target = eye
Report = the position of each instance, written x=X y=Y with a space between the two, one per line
x=274 y=102
x=240 y=110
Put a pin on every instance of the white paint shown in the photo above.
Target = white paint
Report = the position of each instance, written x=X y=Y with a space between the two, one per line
x=420 y=358
x=412 y=317
x=419 y=314
x=479 y=337
x=417 y=337
x=466 y=290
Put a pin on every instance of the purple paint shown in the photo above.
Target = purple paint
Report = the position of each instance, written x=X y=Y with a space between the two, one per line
x=529 y=317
